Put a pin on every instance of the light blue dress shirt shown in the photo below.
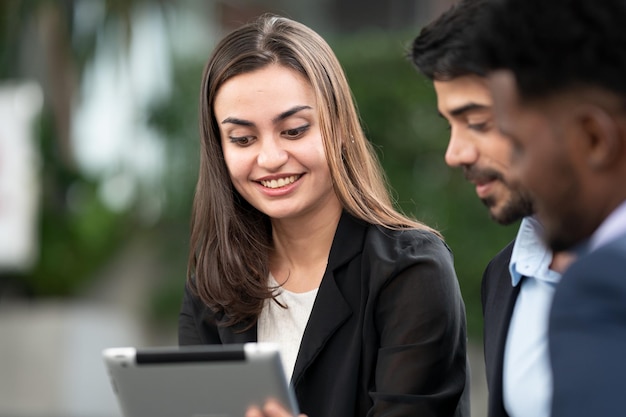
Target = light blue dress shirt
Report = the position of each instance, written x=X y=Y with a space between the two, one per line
x=527 y=377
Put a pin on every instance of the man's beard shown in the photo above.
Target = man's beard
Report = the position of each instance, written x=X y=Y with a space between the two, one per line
x=517 y=207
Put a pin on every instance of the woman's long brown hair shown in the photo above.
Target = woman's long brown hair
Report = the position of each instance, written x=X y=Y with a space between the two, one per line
x=230 y=240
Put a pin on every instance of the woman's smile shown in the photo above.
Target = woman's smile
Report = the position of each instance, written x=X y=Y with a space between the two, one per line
x=280 y=182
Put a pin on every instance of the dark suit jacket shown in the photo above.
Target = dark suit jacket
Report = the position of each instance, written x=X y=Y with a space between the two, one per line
x=386 y=335
x=498 y=297
x=587 y=335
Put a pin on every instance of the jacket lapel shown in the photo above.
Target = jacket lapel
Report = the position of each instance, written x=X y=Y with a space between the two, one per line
x=509 y=296
x=330 y=309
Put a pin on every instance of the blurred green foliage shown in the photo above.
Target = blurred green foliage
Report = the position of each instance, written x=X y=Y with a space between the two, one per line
x=177 y=119
x=78 y=232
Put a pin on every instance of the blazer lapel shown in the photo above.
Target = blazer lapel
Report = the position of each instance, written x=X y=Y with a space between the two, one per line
x=509 y=296
x=330 y=309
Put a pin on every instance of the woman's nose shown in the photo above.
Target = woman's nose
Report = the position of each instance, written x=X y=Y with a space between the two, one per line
x=272 y=155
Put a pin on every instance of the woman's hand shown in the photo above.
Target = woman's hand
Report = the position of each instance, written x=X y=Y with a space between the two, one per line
x=270 y=409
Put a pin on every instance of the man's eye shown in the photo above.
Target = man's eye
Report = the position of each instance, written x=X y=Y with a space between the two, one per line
x=518 y=150
x=479 y=127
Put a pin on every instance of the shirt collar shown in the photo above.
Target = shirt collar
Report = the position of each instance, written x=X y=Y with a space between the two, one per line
x=530 y=256
x=610 y=229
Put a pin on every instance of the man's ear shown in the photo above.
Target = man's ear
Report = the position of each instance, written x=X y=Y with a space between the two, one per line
x=604 y=139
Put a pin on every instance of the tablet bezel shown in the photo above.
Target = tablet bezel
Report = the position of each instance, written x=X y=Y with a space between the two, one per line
x=197 y=381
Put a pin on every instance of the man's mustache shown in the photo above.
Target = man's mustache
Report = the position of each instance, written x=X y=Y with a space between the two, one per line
x=479 y=175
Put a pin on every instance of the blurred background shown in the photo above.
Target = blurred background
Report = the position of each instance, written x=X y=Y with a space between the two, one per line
x=98 y=160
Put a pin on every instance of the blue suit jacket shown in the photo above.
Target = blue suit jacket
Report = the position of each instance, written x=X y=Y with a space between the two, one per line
x=587 y=335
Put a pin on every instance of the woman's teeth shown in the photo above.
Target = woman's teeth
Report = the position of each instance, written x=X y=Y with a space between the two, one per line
x=281 y=182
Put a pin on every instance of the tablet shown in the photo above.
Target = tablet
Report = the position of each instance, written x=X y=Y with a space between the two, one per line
x=198 y=381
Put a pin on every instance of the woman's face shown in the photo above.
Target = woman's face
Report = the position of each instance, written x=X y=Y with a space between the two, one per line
x=272 y=143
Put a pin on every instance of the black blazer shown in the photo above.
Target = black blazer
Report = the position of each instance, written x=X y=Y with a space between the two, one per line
x=498 y=297
x=587 y=335
x=386 y=335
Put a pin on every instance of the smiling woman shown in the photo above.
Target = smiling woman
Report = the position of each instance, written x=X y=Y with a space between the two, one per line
x=295 y=240
x=273 y=148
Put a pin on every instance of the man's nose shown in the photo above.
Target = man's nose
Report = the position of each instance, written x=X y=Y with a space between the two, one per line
x=461 y=150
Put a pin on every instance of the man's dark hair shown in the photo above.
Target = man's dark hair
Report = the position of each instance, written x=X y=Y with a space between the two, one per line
x=553 y=45
x=442 y=50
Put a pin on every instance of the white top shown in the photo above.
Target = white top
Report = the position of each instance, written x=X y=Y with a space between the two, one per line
x=285 y=326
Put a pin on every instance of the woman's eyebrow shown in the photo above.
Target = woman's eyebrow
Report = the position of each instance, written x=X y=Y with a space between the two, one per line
x=237 y=121
x=280 y=117
x=290 y=112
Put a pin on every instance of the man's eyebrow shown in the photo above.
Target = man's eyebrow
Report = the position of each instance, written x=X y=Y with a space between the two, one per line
x=468 y=107
x=290 y=112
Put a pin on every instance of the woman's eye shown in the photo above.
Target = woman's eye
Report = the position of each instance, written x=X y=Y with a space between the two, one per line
x=295 y=132
x=241 y=140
